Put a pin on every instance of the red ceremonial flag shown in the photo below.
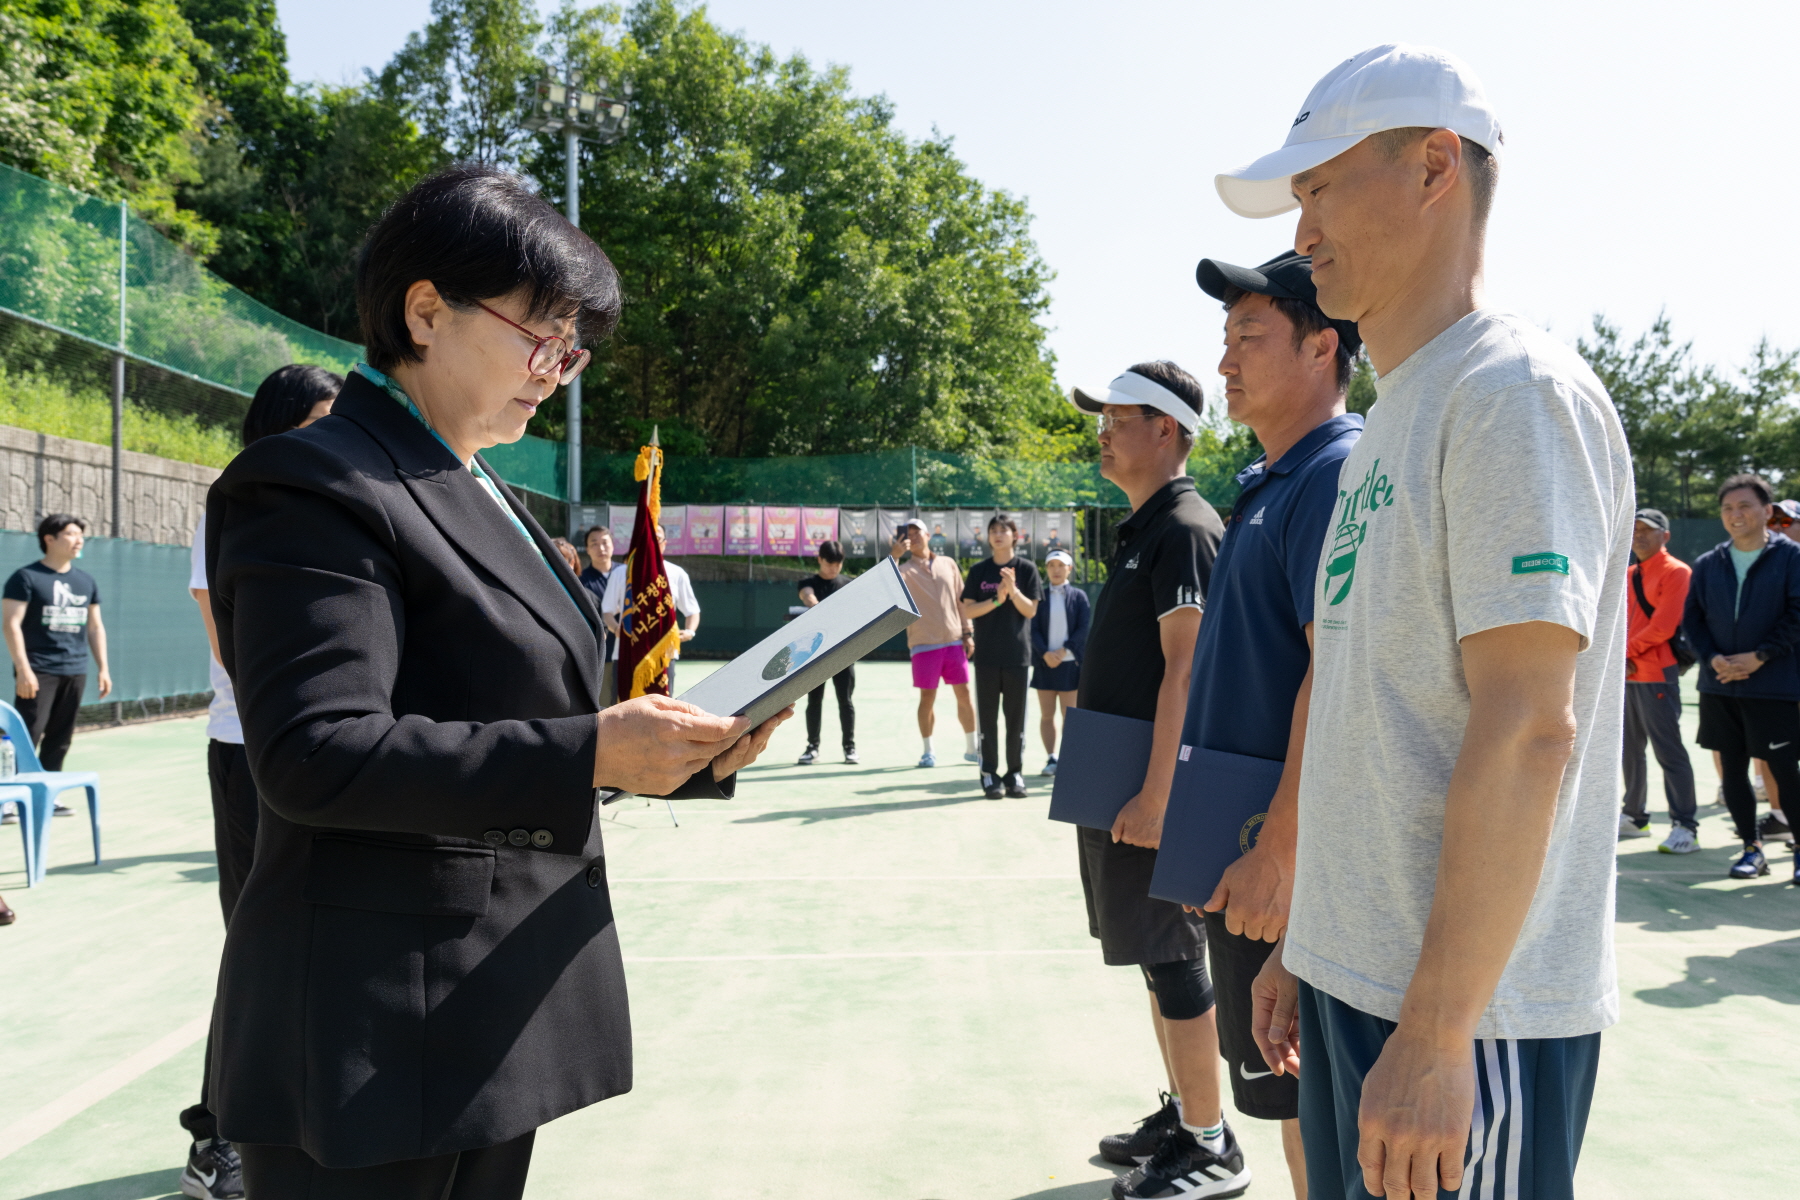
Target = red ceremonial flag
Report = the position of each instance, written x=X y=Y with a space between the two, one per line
x=648 y=631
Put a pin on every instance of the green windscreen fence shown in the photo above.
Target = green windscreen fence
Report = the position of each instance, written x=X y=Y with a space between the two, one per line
x=156 y=645
x=93 y=270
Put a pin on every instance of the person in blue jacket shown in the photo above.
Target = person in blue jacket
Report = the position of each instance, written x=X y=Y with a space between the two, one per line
x=1058 y=637
x=1743 y=619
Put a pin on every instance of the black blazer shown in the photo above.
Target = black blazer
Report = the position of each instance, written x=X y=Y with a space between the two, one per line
x=424 y=958
x=1075 y=641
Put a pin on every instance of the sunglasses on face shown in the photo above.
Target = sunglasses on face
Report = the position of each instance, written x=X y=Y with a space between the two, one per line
x=552 y=355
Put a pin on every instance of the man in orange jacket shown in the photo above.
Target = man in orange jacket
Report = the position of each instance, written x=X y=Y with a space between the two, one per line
x=1658 y=596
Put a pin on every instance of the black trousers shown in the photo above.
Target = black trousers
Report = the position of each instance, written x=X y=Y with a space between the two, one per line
x=1741 y=728
x=1653 y=715
x=490 y=1173
x=844 y=682
x=50 y=716
x=994 y=687
x=234 y=802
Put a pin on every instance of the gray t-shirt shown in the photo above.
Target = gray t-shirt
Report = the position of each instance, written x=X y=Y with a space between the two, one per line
x=1492 y=486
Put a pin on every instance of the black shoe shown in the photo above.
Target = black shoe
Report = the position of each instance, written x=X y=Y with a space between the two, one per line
x=990 y=787
x=59 y=809
x=810 y=757
x=1773 y=828
x=1129 y=1149
x=213 y=1171
x=1750 y=865
x=1183 y=1169
x=1015 y=786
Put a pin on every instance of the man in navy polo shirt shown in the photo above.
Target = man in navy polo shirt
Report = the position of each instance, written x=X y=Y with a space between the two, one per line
x=1286 y=367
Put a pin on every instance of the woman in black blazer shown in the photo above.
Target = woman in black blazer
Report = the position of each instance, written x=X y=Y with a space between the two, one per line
x=1056 y=674
x=423 y=967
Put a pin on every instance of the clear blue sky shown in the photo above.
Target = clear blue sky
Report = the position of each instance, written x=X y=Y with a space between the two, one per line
x=1649 y=156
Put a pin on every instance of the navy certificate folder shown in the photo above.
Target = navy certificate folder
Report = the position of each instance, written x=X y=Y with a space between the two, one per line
x=1216 y=810
x=1103 y=762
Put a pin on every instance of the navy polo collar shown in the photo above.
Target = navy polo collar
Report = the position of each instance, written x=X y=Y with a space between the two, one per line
x=1317 y=439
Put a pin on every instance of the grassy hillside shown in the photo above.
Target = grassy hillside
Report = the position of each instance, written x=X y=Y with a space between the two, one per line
x=45 y=405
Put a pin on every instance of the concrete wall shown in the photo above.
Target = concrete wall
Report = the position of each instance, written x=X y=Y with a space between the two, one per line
x=41 y=474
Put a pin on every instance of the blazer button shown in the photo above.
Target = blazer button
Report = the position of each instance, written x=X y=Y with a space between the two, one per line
x=494 y=837
x=595 y=875
x=542 y=838
x=519 y=837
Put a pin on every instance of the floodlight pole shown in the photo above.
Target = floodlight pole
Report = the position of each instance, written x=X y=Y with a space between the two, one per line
x=562 y=106
x=572 y=206
x=118 y=397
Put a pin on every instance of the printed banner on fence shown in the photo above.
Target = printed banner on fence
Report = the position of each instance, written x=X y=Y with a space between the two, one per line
x=972 y=526
x=1024 y=544
x=781 y=530
x=673 y=520
x=817 y=526
x=940 y=532
x=1054 y=531
x=856 y=529
x=620 y=518
x=706 y=523
x=743 y=529
x=887 y=522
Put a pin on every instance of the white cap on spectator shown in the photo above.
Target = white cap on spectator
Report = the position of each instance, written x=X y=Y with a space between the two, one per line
x=1061 y=556
x=1389 y=87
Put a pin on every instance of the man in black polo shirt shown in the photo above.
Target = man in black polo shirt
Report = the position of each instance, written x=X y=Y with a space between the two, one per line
x=1140 y=651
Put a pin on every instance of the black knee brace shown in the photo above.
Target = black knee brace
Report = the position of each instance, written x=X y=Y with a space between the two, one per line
x=1183 y=989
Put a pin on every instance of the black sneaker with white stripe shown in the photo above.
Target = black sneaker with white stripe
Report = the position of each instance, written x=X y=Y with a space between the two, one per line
x=1129 y=1149
x=214 y=1171
x=1183 y=1169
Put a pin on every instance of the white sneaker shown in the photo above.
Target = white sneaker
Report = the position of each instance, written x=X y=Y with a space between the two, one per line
x=928 y=759
x=1681 y=840
x=1631 y=829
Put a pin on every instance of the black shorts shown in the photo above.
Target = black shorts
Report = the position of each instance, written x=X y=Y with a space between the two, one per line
x=1255 y=1089
x=1134 y=930
x=1752 y=727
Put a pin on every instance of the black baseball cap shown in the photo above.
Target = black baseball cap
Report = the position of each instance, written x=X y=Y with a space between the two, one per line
x=1287 y=275
x=1654 y=518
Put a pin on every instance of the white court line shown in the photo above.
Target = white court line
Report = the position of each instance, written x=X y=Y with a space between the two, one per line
x=841 y=878
x=680 y=958
x=18 y=1133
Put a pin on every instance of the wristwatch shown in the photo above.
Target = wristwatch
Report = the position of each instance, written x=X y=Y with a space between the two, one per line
x=1761 y=655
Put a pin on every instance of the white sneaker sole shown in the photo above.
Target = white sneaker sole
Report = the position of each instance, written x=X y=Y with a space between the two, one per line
x=191 y=1186
x=1665 y=848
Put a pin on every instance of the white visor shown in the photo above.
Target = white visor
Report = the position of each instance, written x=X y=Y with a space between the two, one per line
x=1132 y=388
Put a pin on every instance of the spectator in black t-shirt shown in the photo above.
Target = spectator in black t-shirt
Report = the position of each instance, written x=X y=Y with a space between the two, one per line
x=51 y=614
x=813 y=589
x=1000 y=595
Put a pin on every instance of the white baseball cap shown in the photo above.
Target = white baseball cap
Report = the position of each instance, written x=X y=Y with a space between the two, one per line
x=1390 y=87
x=1061 y=556
x=1132 y=388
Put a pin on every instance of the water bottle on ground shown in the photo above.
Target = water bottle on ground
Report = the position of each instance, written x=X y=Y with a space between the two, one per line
x=9 y=757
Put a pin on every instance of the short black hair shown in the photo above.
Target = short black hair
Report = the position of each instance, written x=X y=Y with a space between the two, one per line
x=1307 y=319
x=1755 y=483
x=831 y=552
x=591 y=530
x=54 y=524
x=479 y=233
x=1005 y=522
x=284 y=399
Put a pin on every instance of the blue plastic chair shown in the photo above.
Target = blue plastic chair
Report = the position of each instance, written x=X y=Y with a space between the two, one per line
x=42 y=787
x=26 y=805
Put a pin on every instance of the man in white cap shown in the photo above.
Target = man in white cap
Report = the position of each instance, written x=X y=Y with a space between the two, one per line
x=1139 y=656
x=1452 y=916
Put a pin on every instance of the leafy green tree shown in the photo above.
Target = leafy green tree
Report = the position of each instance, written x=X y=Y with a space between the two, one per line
x=462 y=79
x=102 y=96
x=800 y=277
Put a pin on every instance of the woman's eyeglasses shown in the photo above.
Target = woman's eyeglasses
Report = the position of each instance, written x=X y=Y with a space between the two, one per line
x=552 y=355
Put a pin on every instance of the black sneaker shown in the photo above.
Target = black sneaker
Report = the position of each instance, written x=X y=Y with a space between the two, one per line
x=1774 y=828
x=850 y=756
x=213 y=1171
x=990 y=787
x=1750 y=864
x=1015 y=786
x=1183 y=1169
x=59 y=809
x=1129 y=1149
x=810 y=757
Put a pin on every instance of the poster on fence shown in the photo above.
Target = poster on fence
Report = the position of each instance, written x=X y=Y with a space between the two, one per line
x=817 y=525
x=1025 y=544
x=620 y=519
x=856 y=529
x=1054 y=531
x=971 y=524
x=940 y=532
x=673 y=520
x=705 y=523
x=743 y=529
x=781 y=530
x=887 y=523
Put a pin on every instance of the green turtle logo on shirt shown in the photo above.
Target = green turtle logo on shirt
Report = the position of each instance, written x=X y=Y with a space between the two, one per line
x=1352 y=529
